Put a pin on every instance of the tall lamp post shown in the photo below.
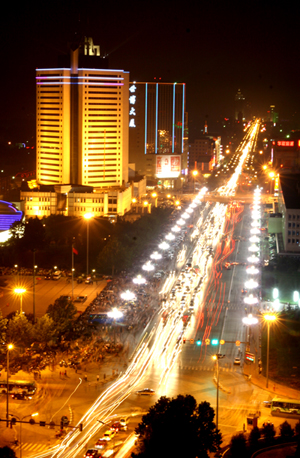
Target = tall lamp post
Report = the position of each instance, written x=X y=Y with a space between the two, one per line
x=269 y=319
x=87 y=217
x=21 y=420
x=248 y=321
x=34 y=271
x=195 y=173
x=216 y=358
x=20 y=291
x=9 y=347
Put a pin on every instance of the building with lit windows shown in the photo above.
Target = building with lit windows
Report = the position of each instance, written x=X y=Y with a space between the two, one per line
x=82 y=122
x=289 y=209
x=157 y=132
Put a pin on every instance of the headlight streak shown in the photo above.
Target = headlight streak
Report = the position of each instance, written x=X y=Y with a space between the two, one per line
x=159 y=342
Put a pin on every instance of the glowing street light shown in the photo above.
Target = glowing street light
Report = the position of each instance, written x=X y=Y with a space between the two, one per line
x=164 y=246
x=148 y=266
x=275 y=293
x=176 y=229
x=156 y=256
x=139 y=280
x=269 y=318
x=128 y=296
x=254 y=248
x=20 y=291
x=254 y=239
x=252 y=270
x=251 y=284
x=170 y=236
x=250 y=300
x=296 y=296
x=253 y=259
x=249 y=321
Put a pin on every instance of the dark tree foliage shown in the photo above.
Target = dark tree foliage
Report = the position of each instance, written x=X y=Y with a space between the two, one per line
x=238 y=447
x=62 y=313
x=178 y=427
x=254 y=437
x=268 y=432
x=286 y=431
x=7 y=452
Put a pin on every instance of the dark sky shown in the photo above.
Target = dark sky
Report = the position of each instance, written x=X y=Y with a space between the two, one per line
x=214 y=47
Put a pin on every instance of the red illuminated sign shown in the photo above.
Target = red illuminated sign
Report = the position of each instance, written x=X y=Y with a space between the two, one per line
x=285 y=143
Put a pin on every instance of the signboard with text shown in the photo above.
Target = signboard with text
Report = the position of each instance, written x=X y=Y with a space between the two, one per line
x=168 y=166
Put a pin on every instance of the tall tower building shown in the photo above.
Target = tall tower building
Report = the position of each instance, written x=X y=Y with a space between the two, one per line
x=82 y=121
x=239 y=106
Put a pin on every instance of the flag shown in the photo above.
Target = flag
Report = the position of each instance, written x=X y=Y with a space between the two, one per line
x=74 y=250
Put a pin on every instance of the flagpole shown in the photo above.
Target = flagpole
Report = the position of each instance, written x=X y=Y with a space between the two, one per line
x=73 y=270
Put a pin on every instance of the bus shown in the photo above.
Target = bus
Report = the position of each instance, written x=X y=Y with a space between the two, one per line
x=283 y=405
x=18 y=386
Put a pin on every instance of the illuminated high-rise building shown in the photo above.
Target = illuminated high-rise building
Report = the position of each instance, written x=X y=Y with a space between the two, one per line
x=239 y=106
x=82 y=121
x=157 y=126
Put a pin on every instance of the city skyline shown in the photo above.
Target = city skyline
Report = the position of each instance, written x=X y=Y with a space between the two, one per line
x=215 y=49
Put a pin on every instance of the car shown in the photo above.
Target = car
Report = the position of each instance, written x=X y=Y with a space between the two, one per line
x=109 y=434
x=48 y=277
x=20 y=396
x=123 y=421
x=118 y=426
x=91 y=453
x=237 y=361
x=146 y=392
x=80 y=299
x=101 y=443
x=89 y=281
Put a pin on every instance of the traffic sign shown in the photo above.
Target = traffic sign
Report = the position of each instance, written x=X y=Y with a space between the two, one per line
x=207 y=341
x=192 y=341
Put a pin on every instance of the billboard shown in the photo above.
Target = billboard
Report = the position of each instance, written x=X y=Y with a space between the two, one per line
x=168 y=166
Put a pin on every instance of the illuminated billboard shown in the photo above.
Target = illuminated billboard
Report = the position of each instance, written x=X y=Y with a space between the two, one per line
x=168 y=166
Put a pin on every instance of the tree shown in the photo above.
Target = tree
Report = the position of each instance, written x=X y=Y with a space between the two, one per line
x=19 y=330
x=62 y=312
x=254 y=437
x=238 y=446
x=44 y=329
x=3 y=327
x=7 y=452
x=113 y=255
x=268 y=432
x=286 y=431
x=171 y=424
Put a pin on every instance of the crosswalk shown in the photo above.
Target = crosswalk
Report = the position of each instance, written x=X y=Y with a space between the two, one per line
x=31 y=447
x=208 y=368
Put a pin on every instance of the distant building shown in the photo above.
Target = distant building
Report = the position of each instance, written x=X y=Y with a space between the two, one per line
x=239 y=106
x=201 y=154
x=8 y=215
x=157 y=132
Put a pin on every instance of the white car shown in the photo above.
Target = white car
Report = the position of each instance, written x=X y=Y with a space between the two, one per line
x=237 y=361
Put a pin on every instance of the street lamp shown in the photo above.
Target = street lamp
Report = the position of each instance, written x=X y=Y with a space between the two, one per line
x=21 y=421
x=248 y=321
x=20 y=291
x=115 y=314
x=8 y=348
x=216 y=358
x=195 y=173
x=139 y=280
x=87 y=217
x=269 y=319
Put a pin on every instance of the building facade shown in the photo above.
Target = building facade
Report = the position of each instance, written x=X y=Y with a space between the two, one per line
x=82 y=122
x=82 y=126
x=157 y=127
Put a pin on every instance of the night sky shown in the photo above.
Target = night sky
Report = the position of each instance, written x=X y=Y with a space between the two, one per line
x=214 y=47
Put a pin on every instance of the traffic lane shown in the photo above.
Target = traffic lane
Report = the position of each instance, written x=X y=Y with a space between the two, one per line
x=46 y=292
